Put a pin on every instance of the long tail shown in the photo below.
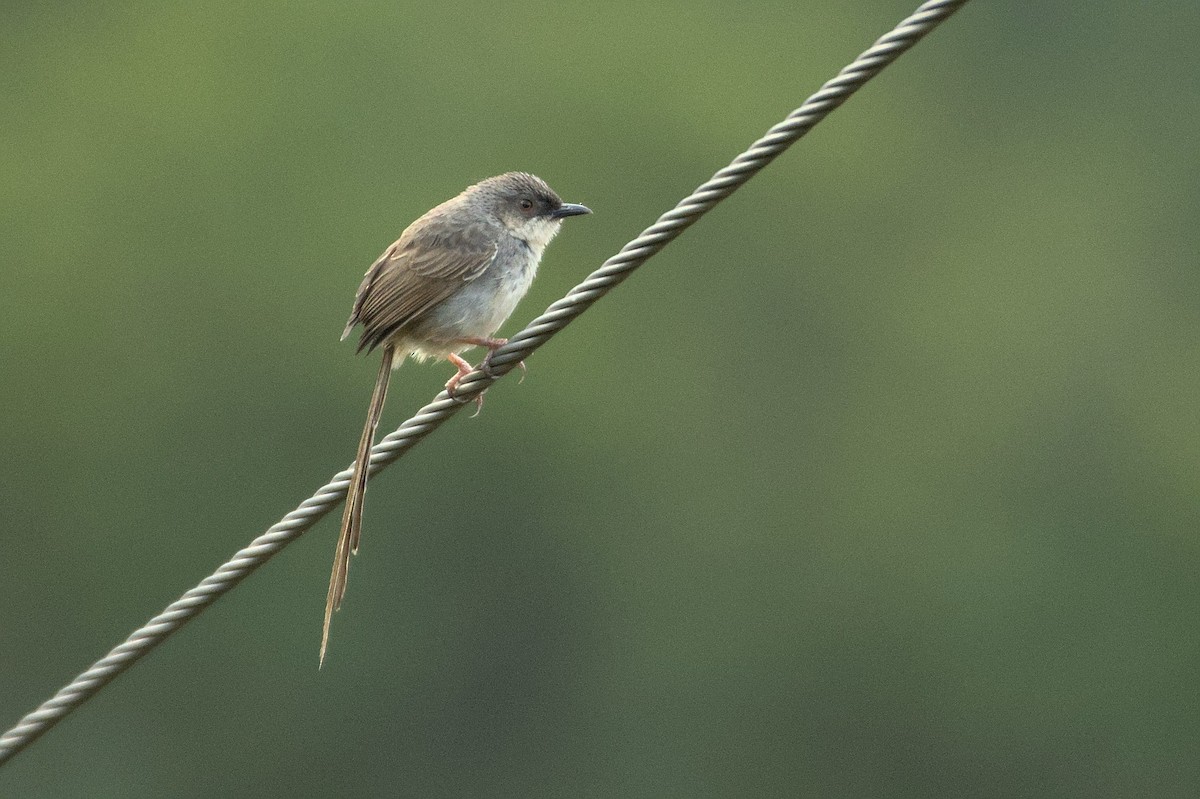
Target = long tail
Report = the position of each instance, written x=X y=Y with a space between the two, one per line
x=347 y=544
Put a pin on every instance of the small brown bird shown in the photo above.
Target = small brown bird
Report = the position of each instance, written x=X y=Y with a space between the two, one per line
x=446 y=284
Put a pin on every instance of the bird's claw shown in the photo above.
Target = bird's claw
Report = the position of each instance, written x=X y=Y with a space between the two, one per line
x=464 y=369
x=485 y=366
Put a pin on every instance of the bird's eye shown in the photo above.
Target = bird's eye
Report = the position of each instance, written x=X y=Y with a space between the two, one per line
x=526 y=204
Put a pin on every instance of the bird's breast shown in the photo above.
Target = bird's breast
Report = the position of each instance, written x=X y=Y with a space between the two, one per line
x=483 y=304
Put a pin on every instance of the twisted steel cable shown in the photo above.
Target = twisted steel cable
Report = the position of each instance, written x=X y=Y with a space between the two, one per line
x=503 y=360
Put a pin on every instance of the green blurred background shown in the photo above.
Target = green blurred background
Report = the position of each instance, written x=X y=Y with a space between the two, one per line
x=881 y=481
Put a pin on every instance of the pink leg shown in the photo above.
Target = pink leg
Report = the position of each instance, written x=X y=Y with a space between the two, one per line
x=492 y=345
x=483 y=341
x=464 y=369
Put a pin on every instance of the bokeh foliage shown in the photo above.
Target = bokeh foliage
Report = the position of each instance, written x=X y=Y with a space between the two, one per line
x=881 y=481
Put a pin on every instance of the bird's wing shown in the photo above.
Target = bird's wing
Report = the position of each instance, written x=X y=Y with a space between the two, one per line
x=421 y=269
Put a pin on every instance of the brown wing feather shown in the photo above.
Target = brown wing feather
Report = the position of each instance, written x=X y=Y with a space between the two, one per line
x=421 y=269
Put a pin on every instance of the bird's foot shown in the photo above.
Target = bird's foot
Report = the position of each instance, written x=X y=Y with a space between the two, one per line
x=485 y=366
x=464 y=369
x=492 y=345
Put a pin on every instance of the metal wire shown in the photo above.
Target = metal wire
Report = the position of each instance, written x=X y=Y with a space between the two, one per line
x=557 y=316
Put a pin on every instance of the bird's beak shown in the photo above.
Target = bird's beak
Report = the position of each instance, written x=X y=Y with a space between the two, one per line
x=569 y=209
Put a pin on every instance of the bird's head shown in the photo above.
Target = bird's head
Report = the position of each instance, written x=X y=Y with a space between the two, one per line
x=528 y=208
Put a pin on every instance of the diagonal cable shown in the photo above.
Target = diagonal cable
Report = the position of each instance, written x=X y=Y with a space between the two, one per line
x=429 y=418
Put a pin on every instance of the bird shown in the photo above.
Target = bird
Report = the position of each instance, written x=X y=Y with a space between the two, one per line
x=448 y=283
